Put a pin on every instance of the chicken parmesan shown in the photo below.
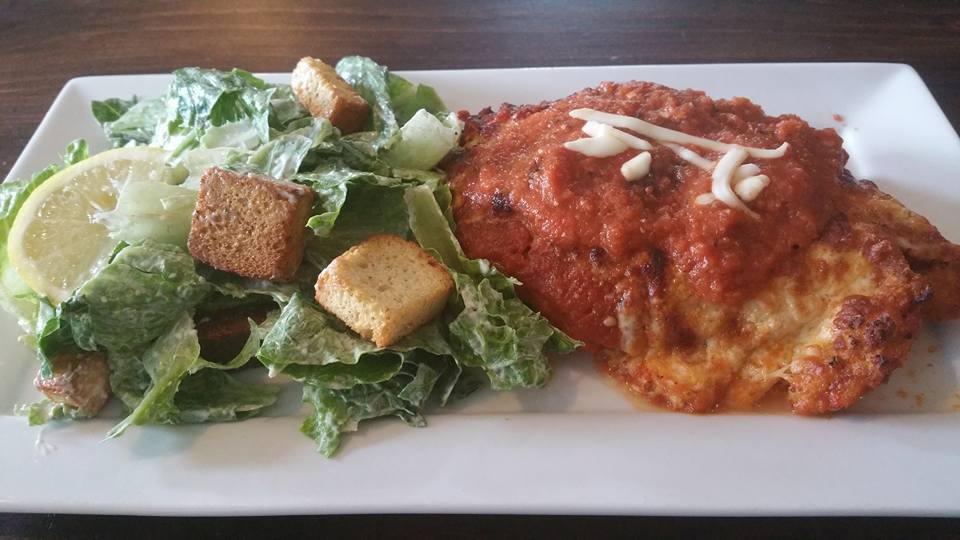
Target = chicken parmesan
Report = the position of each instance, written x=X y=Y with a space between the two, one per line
x=706 y=252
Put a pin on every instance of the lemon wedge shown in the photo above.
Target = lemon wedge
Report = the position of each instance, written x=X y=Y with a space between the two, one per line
x=56 y=243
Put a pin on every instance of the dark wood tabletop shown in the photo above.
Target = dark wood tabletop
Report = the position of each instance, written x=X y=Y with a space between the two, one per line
x=45 y=43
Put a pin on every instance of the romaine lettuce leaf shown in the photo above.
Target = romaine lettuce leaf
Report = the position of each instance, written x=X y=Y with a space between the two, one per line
x=126 y=122
x=237 y=287
x=109 y=110
x=200 y=98
x=369 y=79
x=167 y=361
x=424 y=141
x=241 y=134
x=336 y=412
x=212 y=395
x=44 y=411
x=408 y=98
x=348 y=379
x=281 y=157
x=179 y=392
x=151 y=211
x=492 y=329
x=310 y=345
x=352 y=206
x=393 y=101
x=137 y=297
x=214 y=108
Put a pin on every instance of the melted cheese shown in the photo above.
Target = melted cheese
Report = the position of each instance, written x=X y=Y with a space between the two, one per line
x=722 y=179
x=732 y=181
x=691 y=157
x=596 y=129
x=636 y=167
x=704 y=199
x=749 y=188
x=603 y=146
x=666 y=135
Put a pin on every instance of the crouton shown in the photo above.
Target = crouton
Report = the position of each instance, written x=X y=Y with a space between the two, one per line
x=323 y=93
x=223 y=333
x=384 y=288
x=250 y=225
x=80 y=380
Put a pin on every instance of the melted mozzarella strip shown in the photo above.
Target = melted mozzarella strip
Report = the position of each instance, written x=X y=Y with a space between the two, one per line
x=636 y=167
x=749 y=188
x=691 y=157
x=596 y=129
x=749 y=192
x=732 y=181
x=672 y=136
x=721 y=186
x=602 y=146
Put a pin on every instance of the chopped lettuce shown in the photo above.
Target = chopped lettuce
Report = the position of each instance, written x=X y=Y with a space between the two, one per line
x=394 y=101
x=127 y=122
x=44 y=411
x=180 y=393
x=202 y=108
x=312 y=346
x=137 y=297
x=369 y=79
x=425 y=140
x=492 y=329
x=282 y=157
x=242 y=134
x=213 y=395
x=151 y=211
x=338 y=412
x=354 y=206
x=408 y=98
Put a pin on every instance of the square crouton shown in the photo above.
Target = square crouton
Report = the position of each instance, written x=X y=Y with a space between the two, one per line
x=323 y=93
x=384 y=288
x=250 y=225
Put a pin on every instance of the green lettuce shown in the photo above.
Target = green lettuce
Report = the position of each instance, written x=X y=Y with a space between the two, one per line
x=136 y=298
x=151 y=211
x=393 y=101
x=407 y=98
x=362 y=380
x=179 y=392
x=338 y=412
x=282 y=157
x=369 y=79
x=202 y=108
x=311 y=346
x=492 y=328
x=353 y=206
x=44 y=411
x=127 y=122
x=424 y=141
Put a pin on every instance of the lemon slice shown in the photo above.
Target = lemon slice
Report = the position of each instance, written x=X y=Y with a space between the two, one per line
x=55 y=242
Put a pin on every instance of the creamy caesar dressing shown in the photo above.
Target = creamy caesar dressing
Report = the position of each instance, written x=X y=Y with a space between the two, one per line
x=732 y=181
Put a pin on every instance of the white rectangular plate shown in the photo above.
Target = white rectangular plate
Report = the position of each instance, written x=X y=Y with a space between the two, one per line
x=577 y=446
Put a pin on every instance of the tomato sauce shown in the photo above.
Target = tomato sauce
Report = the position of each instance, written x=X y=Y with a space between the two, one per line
x=587 y=244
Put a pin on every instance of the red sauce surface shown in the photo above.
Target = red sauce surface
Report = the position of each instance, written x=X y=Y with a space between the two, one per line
x=585 y=242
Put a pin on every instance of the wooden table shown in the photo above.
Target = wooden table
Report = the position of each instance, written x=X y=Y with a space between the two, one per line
x=43 y=44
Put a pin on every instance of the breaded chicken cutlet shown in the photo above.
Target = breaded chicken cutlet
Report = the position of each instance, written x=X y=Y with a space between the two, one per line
x=704 y=273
